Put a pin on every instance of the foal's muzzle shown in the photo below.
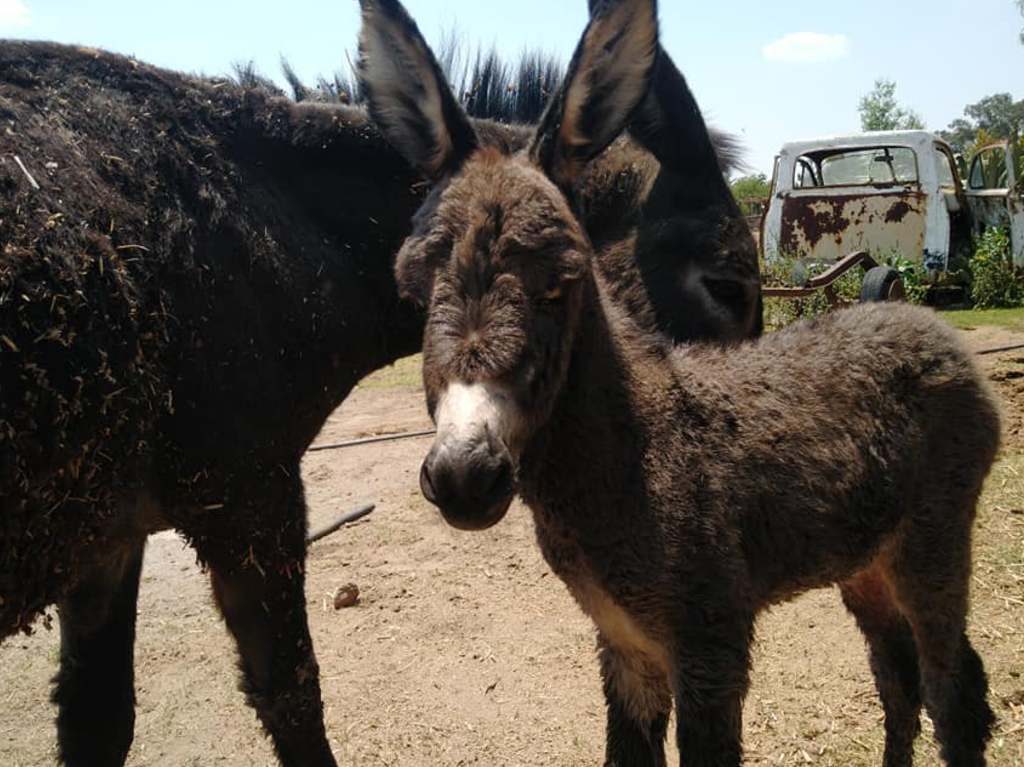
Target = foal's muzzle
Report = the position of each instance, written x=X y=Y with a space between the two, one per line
x=470 y=480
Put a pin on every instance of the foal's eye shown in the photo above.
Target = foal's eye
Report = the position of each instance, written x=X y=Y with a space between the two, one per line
x=553 y=291
x=552 y=294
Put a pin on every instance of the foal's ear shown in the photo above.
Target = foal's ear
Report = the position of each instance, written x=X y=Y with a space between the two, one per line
x=608 y=76
x=407 y=93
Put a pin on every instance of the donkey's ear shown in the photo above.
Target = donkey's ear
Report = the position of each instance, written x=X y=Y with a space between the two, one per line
x=407 y=93
x=608 y=76
x=669 y=124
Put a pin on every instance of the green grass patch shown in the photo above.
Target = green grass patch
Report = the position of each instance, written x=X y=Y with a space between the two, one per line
x=1011 y=319
x=404 y=374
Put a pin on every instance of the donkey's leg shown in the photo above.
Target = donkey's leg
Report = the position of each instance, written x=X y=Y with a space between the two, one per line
x=711 y=679
x=893 y=659
x=94 y=690
x=931 y=576
x=639 y=703
x=257 y=564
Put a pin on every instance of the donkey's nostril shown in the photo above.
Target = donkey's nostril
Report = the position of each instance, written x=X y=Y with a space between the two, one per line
x=427 y=483
x=501 y=482
x=469 y=482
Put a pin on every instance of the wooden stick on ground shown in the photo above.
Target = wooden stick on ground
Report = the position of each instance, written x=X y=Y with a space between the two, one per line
x=339 y=523
x=1000 y=349
x=373 y=440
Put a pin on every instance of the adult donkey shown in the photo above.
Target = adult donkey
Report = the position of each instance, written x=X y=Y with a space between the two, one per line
x=193 y=276
x=680 y=491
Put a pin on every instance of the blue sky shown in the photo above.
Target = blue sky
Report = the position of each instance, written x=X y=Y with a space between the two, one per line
x=768 y=71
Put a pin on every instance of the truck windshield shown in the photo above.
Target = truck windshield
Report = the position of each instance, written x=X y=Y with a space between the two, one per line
x=872 y=166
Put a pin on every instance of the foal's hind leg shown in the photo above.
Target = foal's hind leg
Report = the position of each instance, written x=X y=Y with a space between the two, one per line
x=94 y=691
x=639 y=703
x=893 y=659
x=256 y=554
x=931 y=575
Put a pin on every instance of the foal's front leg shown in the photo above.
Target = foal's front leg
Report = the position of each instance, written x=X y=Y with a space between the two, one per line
x=257 y=564
x=711 y=681
x=639 y=703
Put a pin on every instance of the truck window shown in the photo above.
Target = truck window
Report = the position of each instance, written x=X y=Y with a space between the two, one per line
x=945 y=169
x=871 y=166
x=1018 y=164
x=806 y=175
x=885 y=165
x=989 y=171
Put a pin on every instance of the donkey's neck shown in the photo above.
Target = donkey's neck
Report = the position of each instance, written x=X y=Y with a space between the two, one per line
x=588 y=457
x=323 y=205
x=329 y=167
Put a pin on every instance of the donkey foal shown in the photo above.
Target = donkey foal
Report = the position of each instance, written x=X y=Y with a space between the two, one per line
x=679 y=492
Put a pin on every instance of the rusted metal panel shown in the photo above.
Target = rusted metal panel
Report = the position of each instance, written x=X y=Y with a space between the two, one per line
x=990 y=208
x=825 y=225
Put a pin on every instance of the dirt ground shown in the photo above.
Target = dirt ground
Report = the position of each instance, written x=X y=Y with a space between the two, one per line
x=465 y=650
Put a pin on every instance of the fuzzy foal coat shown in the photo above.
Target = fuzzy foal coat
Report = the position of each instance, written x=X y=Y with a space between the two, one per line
x=678 y=493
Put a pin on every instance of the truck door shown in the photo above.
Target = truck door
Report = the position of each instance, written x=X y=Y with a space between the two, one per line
x=996 y=195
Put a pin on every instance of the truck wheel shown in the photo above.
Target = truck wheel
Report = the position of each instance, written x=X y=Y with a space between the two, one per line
x=882 y=283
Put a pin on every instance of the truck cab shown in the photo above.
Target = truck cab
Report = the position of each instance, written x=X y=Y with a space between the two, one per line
x=885 y=193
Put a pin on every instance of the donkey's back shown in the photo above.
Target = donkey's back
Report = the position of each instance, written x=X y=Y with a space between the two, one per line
x=81 y=381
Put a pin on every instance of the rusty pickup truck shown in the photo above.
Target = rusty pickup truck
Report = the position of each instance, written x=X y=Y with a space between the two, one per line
x=888 y=193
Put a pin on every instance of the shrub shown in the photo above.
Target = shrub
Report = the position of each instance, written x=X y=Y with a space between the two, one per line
x=995 y=282
x=784 y=271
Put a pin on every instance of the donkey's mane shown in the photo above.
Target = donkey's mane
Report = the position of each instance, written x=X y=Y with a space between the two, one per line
x=488 y=86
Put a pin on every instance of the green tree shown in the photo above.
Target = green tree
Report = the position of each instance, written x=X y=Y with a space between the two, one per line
x=962 y=135
x=999 y=115
x=994 y=117
x=879 y=110
x=751 y=192
x=755 y=187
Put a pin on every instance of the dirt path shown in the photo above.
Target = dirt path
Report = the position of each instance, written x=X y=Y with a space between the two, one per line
x=465 y=650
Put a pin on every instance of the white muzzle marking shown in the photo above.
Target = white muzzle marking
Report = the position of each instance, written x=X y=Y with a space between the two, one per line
x=466 y=410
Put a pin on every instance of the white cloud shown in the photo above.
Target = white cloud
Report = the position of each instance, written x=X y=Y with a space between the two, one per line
x=806 y=47
x=13 y=14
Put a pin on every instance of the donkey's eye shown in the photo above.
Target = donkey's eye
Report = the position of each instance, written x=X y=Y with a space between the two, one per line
x=726 y=291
